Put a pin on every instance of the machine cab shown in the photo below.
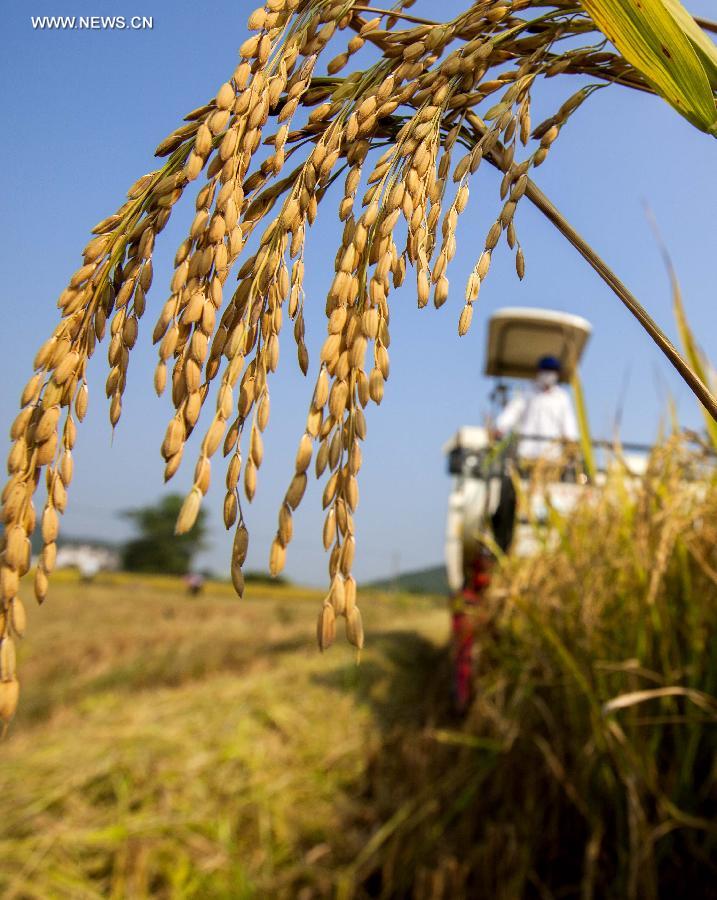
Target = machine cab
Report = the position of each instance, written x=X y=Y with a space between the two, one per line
x=518 y=337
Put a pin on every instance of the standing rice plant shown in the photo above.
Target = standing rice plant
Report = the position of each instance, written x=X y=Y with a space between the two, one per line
x=586 y=441
x=586 y=766
x=425 y=104
x=698 y=360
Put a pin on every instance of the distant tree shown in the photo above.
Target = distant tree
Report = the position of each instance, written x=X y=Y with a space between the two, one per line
x=158 y=548
x=265 y=578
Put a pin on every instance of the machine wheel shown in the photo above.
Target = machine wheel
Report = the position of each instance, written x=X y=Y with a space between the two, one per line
x=468 y=619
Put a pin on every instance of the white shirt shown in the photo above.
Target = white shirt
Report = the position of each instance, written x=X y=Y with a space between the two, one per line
x=541 y=414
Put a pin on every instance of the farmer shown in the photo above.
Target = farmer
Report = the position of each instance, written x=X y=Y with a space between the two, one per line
x=544 y=416
x=545 y=424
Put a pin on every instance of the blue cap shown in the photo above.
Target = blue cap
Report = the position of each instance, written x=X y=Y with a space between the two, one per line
x=549 y=364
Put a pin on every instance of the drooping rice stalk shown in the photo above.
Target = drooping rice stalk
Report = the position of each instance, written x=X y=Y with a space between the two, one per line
x=433 y=100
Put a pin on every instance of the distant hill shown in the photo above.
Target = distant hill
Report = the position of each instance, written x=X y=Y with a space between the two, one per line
x=422 y=581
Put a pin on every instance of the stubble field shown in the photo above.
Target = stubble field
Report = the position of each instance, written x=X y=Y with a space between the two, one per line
x=177 y=746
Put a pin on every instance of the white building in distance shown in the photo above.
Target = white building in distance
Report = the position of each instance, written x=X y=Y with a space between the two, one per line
x=88 y=557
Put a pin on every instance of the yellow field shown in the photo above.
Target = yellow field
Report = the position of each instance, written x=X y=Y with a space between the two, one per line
x=176 y=746
x=202 y=748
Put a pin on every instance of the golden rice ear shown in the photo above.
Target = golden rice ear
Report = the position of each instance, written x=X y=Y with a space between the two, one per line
x=354 y=628
x=237 y=579
x=18 y=616
x=337 y=595
x=220 y=335
x=9 y=696
x=189 y=511
x=7 y=658
x=277 y=558
x=241 y=545
x=326 y=626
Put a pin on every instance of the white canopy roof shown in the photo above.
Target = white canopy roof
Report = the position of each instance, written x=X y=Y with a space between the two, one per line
x=519 y=336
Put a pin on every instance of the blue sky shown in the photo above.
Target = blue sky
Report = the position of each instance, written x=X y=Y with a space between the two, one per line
x=83 y=111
